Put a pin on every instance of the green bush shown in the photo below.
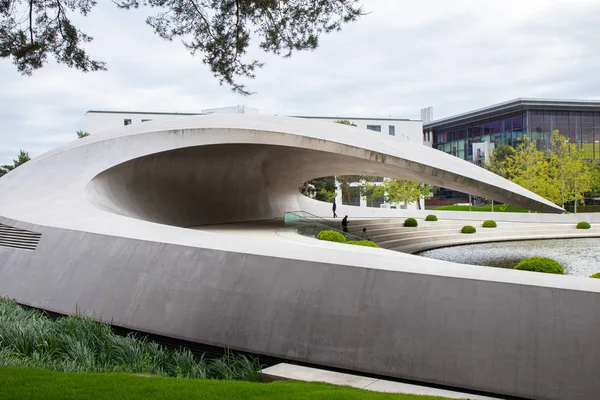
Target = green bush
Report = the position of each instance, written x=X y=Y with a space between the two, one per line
x=583 y=225
x=366 y=243
x=411 y=222
x=596 y=275
x=540 y=264
x=489 y=224
x=431 y=217
x=79 y=344
x=331 y=236
x=468 y=229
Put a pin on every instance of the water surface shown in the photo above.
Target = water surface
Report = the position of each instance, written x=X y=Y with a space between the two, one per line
x=580 y=257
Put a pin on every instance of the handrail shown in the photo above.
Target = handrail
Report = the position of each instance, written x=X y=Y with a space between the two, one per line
x=310 y=224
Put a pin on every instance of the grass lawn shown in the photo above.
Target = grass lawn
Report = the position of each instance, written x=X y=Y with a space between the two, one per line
x=33 y=383
x=497 y=208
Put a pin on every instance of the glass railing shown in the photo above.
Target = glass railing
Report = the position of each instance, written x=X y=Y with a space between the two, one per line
x=308 y=224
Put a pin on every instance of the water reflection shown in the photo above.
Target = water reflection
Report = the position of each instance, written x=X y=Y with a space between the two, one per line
x=580 y=257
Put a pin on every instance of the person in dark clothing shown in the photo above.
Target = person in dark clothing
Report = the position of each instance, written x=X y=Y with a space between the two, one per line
x=345 y=224
x=333 y=209
x=364 y=234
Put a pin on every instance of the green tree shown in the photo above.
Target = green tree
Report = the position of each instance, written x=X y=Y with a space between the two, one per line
x=31 y=30
x=559 y=174
x=82 y=134
x=22 y=158
x=322 y=189
x=499 y=159
x=402 y=191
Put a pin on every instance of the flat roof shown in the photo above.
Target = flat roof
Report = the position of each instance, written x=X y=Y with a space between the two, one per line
x=519 y=104
x=356 y=118
x=139 y=112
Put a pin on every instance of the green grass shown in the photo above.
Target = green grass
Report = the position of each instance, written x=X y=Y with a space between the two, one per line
x=497 y=208
x=79 y=344
x=34 y=384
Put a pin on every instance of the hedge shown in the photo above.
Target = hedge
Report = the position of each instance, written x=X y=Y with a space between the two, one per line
x=468 y=229
x=596 y=275
x=366 y=243
x=489 y=224
x=583 y=225
x=540 y=264
x=331 y=236
x=411 y=222
x=431 y=217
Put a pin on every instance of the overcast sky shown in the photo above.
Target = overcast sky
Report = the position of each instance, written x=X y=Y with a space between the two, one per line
x=404 y=55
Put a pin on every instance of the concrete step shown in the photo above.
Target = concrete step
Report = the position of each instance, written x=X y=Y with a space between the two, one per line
x=299 y=373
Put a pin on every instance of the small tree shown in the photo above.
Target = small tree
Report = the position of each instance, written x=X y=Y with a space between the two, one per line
x=22 y=158
x=401 y=191
x=82 y=134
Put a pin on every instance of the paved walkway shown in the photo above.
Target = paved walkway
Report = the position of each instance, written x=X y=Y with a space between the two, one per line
x=296 y=372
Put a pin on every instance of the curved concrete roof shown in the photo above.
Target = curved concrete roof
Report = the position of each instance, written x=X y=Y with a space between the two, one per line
x=213 y=169
x=111 y=210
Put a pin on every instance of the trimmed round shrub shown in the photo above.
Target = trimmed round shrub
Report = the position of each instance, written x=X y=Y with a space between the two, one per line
x=331 y=236
x=540 y=264
x=431 y=217
x=411 y=222
x=468 y=229
x=366 y=243
x=596 y=275
x=489 y=224
x=583 y=225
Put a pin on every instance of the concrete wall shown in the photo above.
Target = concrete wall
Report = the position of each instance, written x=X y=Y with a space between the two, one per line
x=508 y=332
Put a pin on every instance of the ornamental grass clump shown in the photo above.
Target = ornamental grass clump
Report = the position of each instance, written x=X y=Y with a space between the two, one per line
x=583 y=225
x=331 y=236
x=596 y=275
x=410 y=222
x=79 y=344
x=489 y=224
x=468 y=229
x=431 y=217
x=540 y=264
x=366 y=243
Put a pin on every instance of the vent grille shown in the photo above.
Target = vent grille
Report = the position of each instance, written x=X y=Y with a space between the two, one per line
x=18 y=238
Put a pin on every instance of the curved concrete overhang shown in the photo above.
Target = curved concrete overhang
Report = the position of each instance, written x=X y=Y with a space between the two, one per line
x=110 y=213
x=213 y=169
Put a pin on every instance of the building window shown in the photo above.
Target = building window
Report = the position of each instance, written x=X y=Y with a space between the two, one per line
x=376 y=128
x=392 y=130
x=126 y=122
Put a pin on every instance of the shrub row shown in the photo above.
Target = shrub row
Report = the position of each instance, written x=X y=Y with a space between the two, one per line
x=334 y=236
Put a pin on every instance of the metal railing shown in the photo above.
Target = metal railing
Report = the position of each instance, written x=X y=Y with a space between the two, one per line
x=308 y=224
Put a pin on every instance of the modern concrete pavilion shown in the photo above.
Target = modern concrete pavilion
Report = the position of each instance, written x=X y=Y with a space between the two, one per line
x=102 y=224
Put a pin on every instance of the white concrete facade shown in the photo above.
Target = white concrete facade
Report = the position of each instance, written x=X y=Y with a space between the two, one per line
x=112 y=214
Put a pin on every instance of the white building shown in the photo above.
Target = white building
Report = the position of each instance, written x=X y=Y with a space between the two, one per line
x=403 y=129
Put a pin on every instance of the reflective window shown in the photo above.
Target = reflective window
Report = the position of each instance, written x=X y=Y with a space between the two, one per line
x=376 y=128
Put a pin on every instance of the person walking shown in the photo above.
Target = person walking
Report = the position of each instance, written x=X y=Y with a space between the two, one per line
x=333 y=209
x=345 y=224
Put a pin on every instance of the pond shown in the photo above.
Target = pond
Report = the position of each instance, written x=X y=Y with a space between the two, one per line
x=579 y=257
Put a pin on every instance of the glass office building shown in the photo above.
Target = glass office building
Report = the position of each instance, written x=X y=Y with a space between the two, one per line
x=579 y=120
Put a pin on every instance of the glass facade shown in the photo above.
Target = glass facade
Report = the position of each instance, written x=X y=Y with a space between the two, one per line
x=581 y=127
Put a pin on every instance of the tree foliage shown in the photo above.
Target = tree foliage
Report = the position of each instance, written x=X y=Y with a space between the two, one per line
x=559 y=174
x=322 y=189
x=30 y=30
x=82 y=134
x=401 y=191
x=22 y=158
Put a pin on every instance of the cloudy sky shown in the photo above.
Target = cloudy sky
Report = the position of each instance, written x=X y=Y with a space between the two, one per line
x=404 y=55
